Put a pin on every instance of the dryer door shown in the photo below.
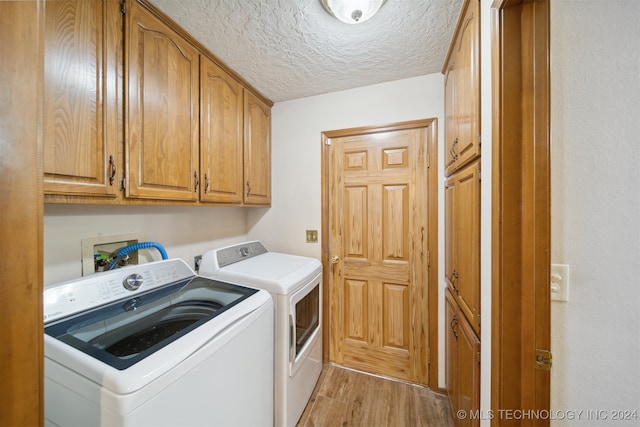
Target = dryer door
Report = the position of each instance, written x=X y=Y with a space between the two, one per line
x=305 y=310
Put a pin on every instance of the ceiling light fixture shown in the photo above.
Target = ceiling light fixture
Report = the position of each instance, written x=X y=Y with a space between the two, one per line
x=352 y=11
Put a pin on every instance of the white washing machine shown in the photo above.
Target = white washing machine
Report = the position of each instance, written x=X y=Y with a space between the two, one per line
x=295 y=283
x=156 y=345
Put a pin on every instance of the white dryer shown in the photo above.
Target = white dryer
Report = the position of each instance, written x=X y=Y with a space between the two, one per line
x=295 y=284
x=156 y=345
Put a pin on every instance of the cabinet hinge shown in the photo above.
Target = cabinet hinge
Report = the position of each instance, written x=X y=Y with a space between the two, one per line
x=478 y=357
x=428 y=356
x=428 y=258
x=543 y=359
x=327 y=141
x=123 y=183
x=123 y=9
x=479 y=139
x=428 y=162
x=478 y=320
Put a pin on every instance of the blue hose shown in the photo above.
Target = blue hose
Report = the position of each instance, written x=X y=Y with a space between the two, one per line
x=142 y=245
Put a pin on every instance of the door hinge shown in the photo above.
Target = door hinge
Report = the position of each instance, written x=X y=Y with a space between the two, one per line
x=543 y=359
x=327 y=141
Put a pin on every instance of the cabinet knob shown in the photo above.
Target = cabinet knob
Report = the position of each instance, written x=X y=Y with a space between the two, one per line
x=335 y=259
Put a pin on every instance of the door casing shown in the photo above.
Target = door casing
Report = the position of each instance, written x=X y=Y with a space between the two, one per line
x=521 y=208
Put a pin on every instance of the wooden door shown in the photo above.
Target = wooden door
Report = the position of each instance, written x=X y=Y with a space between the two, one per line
x=80 y=126
x=21 y=339
x=162 y=110
x=221 y=135
x=378 y=224
x=257 y=150
x=521 y=222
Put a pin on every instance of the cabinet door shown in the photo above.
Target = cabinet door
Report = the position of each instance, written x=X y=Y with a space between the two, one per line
x=257 y=150
x=468 y=85
x=80 y=122
x=221 y=135
x=162 y=110
x=451 y=350
x=451 y=123
x=462 y=240
x=450 y=234
x=468 y=373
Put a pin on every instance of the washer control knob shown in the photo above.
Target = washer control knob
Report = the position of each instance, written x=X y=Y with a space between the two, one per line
x=244 y=251
x=132 y=282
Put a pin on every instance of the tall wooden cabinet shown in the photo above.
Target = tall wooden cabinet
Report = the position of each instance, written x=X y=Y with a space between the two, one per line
x=80 y=129
x=462 y=215
x=139 y=112
x=462 y=90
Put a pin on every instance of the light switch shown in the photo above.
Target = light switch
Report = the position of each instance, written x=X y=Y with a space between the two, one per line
x=559 y=282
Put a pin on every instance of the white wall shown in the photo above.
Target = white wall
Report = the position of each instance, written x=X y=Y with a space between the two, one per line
x=297 y=126
x=595 y=140
x=183 y=231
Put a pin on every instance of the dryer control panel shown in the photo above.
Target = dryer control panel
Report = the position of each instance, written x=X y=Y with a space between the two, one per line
x=79 y=295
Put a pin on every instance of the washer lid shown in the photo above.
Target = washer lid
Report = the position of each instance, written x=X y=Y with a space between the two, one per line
x=125 y=332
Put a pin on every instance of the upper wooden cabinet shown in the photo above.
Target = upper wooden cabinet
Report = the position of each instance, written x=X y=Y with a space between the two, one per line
x=159 y=121
x=162 y=110
x=257 y=151
x=462 y=90
x=80 y=123
x=221 y=135
x=462 y=240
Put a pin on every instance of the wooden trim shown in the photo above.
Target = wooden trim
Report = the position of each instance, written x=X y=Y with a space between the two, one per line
x=432 y=291
x=521 y=204
x=21 y=223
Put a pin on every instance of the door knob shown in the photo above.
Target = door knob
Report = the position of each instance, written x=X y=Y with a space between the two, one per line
x=335 y=259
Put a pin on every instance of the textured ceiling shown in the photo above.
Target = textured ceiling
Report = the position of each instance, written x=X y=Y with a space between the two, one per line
x=289 y=49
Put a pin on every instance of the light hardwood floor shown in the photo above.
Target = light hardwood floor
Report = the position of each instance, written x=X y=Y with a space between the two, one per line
x=344 y=397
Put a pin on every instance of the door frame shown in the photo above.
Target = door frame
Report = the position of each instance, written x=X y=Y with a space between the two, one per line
x=521 y=207
x=432 y=261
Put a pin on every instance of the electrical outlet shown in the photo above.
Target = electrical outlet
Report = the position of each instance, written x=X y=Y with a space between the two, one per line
x=196 y=262
x=312 y=236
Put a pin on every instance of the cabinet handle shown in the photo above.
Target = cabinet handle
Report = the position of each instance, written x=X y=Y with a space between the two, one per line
x=248 y=188
x=196 y=181
x=453 y=278
x=206 y=183
x=112 y=167
x=454 y=326
x=454 y=149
